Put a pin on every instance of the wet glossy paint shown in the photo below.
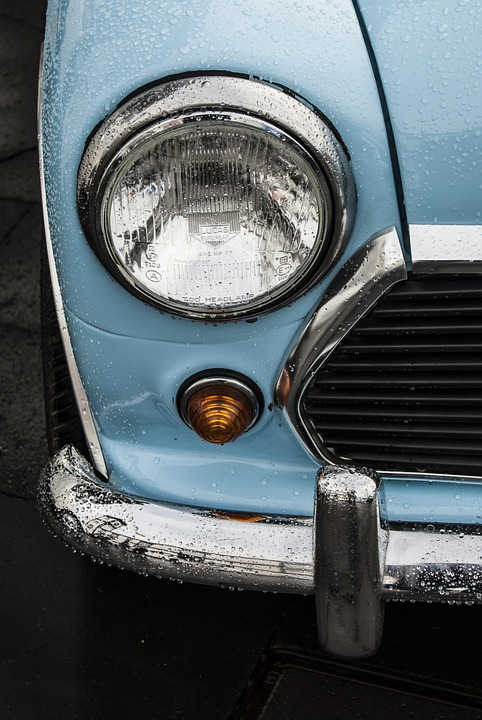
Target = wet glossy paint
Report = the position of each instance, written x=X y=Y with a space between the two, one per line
x=430 y=59
x=133 y=358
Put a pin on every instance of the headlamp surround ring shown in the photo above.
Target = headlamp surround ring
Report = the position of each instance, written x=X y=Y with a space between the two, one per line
x=175 y=103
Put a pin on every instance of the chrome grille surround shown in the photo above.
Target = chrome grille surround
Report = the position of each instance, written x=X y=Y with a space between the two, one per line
x=403 y=390
x=350 y=296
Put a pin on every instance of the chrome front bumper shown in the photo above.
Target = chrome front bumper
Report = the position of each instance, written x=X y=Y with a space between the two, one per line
x=344 y=554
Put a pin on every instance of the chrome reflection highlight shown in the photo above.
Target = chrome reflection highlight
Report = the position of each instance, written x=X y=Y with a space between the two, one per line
x=85 y=413
x=174 y=541
x=348 y=584
x=446 y=248
x=436 y=562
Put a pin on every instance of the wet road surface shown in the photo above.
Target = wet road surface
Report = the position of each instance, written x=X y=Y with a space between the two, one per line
x=81 y=640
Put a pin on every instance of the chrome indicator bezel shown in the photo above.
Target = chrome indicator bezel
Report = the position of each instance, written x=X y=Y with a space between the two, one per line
x=227 y=379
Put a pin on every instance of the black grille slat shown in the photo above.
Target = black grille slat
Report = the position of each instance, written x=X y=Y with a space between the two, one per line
x=403 y=390
x=410 y=444
x=384 y=365
x=407 y=430
x=383 y=398
x=400 y=412
x=377 y=326
x=428 y=310
x=402 y=380
x=412 y=345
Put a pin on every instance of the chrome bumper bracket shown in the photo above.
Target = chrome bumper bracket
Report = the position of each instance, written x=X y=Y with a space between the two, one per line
x=347 y=567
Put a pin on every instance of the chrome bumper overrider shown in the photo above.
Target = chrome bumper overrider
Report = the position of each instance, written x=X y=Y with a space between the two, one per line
x=352 y=559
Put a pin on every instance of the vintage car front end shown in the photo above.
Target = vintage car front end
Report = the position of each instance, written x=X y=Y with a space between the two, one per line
x=252 y=236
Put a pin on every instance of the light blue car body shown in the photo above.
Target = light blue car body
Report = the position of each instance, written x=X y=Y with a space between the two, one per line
x=133 y=358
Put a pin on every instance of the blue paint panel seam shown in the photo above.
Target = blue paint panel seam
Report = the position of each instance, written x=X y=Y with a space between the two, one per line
x=397 y=175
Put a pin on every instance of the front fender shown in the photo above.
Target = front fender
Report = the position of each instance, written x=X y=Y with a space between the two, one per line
x=131 y=357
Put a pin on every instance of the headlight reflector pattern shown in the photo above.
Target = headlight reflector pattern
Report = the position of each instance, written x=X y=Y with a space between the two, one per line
x=215 y=213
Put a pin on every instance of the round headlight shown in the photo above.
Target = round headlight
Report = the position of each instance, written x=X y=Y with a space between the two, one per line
x=213 y=212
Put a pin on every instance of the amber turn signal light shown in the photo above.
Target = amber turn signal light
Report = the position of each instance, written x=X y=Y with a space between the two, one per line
x=219 y=409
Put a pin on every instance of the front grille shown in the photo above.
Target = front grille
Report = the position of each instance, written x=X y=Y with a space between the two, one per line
x=403 y=390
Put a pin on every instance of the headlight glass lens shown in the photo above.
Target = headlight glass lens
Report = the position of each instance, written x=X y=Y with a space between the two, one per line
x=214 y=215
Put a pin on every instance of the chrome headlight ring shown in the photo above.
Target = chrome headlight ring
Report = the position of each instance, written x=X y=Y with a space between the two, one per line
x=173 y=104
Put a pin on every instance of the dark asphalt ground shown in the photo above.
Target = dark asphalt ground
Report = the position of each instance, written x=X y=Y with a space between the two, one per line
x=78 y=640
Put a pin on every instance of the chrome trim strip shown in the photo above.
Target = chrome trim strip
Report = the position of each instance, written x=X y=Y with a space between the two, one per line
x=347 y=564
x=170 y=100
x=359 y=284
x=407 y=474
x=446 y=248
x=436 y=562
x=83 y=406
